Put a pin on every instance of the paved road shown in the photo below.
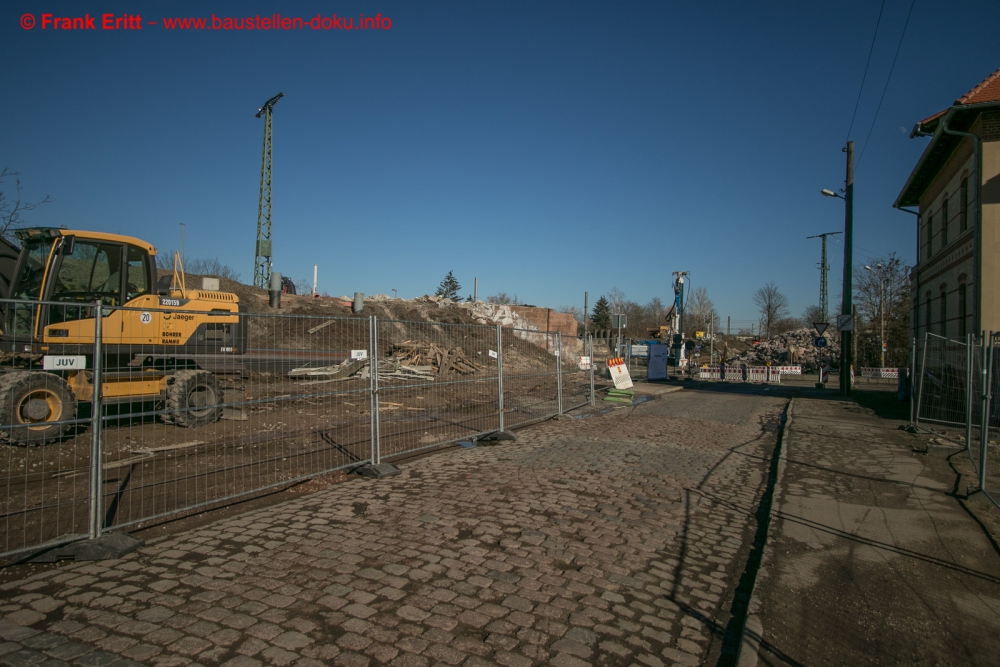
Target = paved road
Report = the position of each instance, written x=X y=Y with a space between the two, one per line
x=598 y=541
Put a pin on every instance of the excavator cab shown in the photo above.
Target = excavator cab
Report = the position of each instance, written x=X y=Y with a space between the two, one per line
x=59 y=266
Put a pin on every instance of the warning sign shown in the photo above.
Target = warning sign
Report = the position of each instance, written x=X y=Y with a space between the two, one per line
x=619 y=373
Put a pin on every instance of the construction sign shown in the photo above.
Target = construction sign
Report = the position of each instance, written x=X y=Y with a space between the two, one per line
x=619 y=373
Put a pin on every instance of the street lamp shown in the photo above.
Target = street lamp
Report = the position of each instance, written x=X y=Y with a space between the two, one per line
x=393 y=294
x=881 y=307
x=847 y=308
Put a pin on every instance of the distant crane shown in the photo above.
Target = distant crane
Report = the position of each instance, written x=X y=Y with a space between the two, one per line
x=824 y=268
x=262 y=258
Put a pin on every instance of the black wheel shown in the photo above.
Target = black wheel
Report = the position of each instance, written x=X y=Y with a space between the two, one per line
x=192 y=399
x=33 y=407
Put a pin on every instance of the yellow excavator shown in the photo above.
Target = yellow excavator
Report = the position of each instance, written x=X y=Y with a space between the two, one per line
x=161 y=341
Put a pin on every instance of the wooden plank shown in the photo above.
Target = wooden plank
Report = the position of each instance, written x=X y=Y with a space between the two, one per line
x=321 y=326
x=446 y=362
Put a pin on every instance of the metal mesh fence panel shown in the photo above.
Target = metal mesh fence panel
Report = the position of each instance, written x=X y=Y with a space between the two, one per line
x=437 y=383
x=574 y=354
x=974 y=427
x=942 y=378
x=990 y=459
x=46 y=451
x=530 y=375
x=202 y=408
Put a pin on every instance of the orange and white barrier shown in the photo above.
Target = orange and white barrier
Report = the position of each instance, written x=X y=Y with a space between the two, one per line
x=880 y=373
x=619 y=373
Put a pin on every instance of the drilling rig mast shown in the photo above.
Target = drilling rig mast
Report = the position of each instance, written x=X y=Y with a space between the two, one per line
x=262 y=258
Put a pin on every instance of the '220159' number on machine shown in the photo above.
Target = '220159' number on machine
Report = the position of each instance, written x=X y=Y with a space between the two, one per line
x=170 y=302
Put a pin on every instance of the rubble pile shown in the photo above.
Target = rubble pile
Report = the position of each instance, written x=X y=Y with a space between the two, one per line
x=776 y=350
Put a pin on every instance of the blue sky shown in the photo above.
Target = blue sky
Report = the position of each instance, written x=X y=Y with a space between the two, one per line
x=549 y=148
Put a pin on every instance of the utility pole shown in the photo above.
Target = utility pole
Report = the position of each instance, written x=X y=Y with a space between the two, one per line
x=847 y=307
x=262 y=257
x=824 y=269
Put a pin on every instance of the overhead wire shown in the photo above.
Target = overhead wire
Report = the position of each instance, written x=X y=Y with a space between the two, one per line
x=865 y=75
x=886 y=87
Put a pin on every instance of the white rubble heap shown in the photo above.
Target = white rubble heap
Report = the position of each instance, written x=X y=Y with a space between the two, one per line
x=776 y=351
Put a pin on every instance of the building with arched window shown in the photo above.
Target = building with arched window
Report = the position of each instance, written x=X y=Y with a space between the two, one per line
x=956 y=188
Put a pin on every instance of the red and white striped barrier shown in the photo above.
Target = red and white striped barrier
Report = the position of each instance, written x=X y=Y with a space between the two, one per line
x=880 y=373
x=824 y=374
x=789 y=370
x=735 y=373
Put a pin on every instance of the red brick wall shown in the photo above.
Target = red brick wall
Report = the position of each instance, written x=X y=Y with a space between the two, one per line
x=548 y=320
x=990 y=129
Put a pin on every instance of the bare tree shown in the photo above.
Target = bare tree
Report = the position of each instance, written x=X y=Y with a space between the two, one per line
x=700 y=313
x=882 y=297
x=812 y=314
x=772 y=306
x=12 y=206
x=616 y=298
x=503 y=299
x=198 y=267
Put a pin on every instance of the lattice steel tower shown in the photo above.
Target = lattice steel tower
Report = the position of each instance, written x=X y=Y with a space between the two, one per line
x=262 y=259
x=824 y=268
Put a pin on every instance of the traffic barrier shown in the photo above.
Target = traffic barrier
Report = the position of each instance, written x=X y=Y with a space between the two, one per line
x=789 y=370
x=880 y=373
x=735 y=373
x=824 y=374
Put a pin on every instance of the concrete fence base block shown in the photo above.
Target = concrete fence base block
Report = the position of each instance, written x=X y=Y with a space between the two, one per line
x=378 y=470
x=105 y=547
x=976 y=496
x=497 y=437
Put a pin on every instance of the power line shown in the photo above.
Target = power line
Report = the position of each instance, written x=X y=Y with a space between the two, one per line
x=879 y=108
x=865 y=76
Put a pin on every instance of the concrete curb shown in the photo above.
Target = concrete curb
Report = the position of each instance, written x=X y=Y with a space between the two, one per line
x=753 y=631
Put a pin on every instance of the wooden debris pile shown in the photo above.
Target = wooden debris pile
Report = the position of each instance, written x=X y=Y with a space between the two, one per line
x=355 y=369
x=423 y=353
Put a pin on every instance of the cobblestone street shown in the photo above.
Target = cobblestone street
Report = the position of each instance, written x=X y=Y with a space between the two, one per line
x=597 y=541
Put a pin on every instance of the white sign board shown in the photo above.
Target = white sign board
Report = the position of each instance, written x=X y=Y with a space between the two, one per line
x=493 y=354
x=584 y=363
x=619 y=373
x=64 y=363
x=359 y=354
x=845 y=322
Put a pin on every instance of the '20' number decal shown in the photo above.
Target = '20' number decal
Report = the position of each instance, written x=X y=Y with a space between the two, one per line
x=146 y=318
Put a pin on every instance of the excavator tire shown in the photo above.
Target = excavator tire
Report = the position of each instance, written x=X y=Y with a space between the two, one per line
x=193 y=399
x=35 y=407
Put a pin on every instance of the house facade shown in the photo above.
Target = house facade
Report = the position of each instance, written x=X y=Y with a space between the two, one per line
x=955 y=189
